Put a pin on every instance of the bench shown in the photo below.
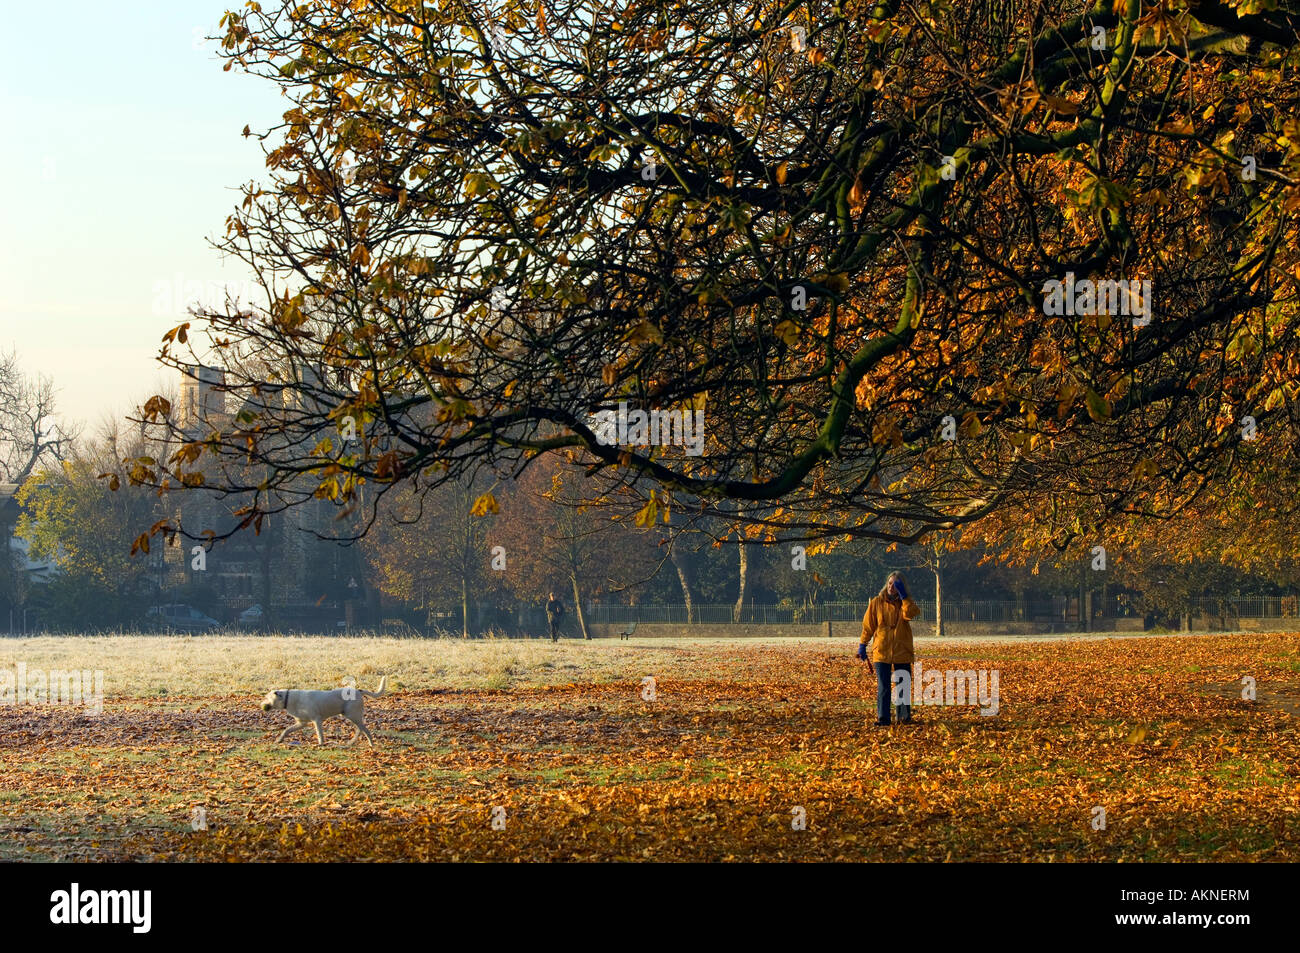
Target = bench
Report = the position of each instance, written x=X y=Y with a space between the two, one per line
x=627 y=631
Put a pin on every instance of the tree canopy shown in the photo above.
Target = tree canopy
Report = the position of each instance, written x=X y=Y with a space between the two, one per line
x=915 y=263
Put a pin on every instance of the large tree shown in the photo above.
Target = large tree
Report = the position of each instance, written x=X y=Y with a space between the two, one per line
x=831 y=227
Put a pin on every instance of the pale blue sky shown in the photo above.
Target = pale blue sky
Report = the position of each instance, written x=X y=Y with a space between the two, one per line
x=122 y=148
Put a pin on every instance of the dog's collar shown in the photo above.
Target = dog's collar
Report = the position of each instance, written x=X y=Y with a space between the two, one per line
x=287 y=693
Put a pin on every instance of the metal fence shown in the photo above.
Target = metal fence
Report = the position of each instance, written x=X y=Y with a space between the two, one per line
x=1248 y=607
x=712 y=613
x=1059 y=609
x=1052 y=612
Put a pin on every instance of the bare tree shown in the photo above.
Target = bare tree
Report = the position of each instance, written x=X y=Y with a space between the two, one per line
x=28 y=431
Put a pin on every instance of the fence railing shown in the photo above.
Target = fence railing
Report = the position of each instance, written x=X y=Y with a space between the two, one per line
x=1060 y=609
x=1042 y=611
x=1249 y=607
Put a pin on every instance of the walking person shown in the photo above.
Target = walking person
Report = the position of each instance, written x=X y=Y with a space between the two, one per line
x=887 y=637
x=554 y=616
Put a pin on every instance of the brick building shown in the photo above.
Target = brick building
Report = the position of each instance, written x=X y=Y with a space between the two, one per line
x=299 y=580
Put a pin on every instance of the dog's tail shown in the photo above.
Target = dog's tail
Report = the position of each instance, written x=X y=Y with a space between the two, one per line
x=382 y=682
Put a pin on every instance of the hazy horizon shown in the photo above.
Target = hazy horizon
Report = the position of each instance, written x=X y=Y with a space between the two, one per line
x=124 y=164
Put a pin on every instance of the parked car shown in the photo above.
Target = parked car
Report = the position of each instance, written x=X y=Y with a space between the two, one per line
x=182 y=617
x=253 y=615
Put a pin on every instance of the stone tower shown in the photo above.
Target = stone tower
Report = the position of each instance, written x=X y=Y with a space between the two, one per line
x=202 y=397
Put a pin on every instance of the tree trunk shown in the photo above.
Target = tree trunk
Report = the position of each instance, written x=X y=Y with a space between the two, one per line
x=464 y=607
x=938 y=598
x=467 y=557
x=743 y=577
x=264 y=583
x=684 y=577
x=1083 y=611
x=577 y=609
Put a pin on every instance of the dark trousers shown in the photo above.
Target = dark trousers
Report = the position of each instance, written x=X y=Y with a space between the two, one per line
x=885 y=688
x=555 y=627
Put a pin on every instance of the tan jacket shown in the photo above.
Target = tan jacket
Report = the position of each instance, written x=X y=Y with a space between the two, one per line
x=886 y=623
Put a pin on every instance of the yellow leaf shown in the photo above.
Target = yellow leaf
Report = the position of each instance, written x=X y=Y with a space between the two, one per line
x=1098 y=406
x=645 y=331
x=1059 y=105
x=858 y=194
x=647 y=514
x=485 y=504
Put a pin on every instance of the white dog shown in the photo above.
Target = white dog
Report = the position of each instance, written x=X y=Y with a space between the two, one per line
x=315 y=707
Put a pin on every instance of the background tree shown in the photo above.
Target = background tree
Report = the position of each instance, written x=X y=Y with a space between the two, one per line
x=14 y=585
x=554 y=541
x=683 y=560
x=934 y=552
x=29 y=431
x=72 y=518
x=1234 y=536
x=431 y=550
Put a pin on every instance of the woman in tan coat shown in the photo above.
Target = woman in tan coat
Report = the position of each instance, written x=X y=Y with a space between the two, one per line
x=887 y=636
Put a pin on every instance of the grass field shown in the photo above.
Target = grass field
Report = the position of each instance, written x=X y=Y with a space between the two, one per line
x=742 y=738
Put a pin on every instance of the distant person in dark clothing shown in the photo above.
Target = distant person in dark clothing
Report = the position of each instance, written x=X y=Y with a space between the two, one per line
x=554 y=616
